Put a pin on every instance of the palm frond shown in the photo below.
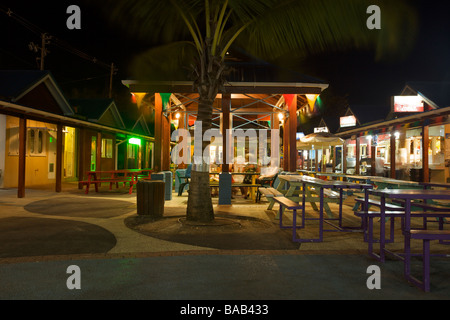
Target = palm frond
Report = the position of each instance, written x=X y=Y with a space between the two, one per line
x=311 y=26
x=271 y=28
x=166 y=62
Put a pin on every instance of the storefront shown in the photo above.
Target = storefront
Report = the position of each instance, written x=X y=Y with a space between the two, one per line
x=414 y=146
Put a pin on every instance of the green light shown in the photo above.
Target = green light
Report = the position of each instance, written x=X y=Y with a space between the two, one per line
x=134 y=141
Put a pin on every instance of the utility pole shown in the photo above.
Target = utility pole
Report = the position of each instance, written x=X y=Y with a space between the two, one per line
x=113 y=70
x=45 y=39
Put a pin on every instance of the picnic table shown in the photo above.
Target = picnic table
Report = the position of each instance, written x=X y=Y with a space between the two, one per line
x=332 y=175
x=389 y=183
x=360 y=179
x=130 y=176
x=425 y=234
x=324 y=192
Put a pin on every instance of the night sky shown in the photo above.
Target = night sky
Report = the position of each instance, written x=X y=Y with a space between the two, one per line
x=355 y=74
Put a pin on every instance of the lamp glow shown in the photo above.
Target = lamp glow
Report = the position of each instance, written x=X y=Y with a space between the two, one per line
x=134 y=141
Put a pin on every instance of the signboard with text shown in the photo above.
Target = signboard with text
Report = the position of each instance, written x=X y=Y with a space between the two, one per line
x=320 y=129
x=408 y=104
x=348 y=121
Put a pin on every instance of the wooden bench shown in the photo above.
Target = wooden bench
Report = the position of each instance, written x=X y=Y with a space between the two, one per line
x=111 y=181
x=286 y=203
x=216 y=184
x=422 y=205
x=368 y=216
x=269 y=193
x=426 y=236
x=389 y=206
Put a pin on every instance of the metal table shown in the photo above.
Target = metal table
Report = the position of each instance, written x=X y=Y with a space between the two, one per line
x=407 y=195
x=326 y=188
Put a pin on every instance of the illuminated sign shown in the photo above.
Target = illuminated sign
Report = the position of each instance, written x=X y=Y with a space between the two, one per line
x=299 y=135
x=134 y=141
x=348 y=121
x=320 y=129
x=408 y=104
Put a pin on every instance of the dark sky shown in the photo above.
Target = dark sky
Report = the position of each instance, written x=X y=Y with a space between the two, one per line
x=352 y=73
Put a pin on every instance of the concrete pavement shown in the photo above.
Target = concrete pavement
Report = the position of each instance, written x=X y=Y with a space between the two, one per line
x=44 y=233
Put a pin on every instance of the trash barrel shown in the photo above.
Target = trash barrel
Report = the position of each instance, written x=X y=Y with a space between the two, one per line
x=150 y=198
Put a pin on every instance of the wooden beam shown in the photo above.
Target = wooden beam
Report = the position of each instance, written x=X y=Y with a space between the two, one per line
x=233 y=88
x=22 y=156
x=59 y=151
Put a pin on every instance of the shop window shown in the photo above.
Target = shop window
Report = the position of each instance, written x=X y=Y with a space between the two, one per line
x=107 y=148
x=69 y=152
x=131 y=151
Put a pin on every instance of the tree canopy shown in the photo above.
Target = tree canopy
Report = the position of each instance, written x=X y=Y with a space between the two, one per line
x=177 y=30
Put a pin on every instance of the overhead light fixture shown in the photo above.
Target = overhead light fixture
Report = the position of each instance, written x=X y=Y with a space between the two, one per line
x=135 y=141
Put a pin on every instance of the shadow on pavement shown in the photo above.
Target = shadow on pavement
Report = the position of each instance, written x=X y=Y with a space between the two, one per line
x=24 y=237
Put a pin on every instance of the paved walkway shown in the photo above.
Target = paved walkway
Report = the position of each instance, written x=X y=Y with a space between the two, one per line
x=44 y=233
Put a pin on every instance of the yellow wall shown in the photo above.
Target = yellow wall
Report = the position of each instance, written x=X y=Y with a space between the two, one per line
x=36 y=167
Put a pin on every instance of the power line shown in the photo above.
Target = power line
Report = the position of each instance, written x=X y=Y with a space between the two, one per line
x=46 y=37
x=45 y=40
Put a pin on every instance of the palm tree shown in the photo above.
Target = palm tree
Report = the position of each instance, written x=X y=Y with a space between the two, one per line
x=199 y=33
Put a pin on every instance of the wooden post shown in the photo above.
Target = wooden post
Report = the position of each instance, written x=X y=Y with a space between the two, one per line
x=81 y=147
x=344 y=157
x=59 y=151
x=22 y=156
x=292 y=162
x=275 y=125
x=286 y=145
x=98 y=156
x=334 y=153
x=392 y=142
x=182 y=125
x=226 y=105
x=373 y=150
x=316 y=157
x=358 y=154
x=165 y=150
x=158 y=133
x=425 y=164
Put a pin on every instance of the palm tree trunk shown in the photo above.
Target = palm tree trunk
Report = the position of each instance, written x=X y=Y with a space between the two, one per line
x=199 y=207
x=209 y=72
